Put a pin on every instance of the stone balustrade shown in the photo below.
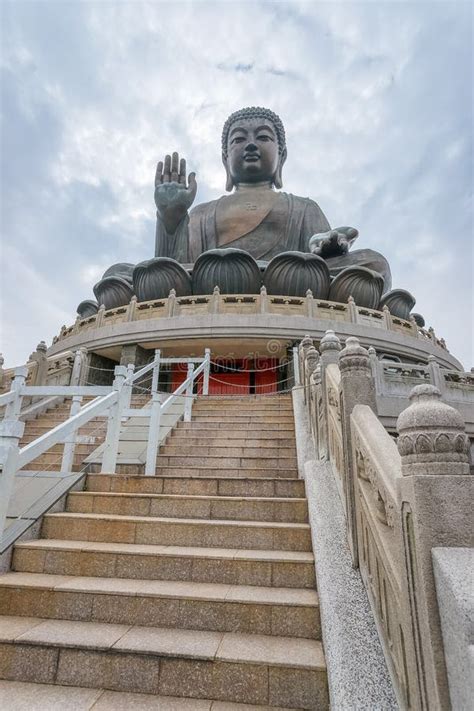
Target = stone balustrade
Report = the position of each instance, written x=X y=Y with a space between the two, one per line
x=248 y=304
x=403 y=493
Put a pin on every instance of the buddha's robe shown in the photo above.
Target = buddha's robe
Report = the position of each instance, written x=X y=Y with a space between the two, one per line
x=262 y=223
x=285 y=225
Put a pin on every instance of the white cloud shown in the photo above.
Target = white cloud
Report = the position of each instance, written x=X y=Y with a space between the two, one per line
x=376 y=108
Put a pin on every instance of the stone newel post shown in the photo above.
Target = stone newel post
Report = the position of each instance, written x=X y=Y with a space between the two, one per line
x=329 y=347
x=311 y=363
x=436 y=495
x=357 y=387
x=303 y=347
x=40 y=358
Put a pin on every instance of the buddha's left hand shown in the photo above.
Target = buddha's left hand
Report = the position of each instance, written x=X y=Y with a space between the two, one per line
x=334 y=243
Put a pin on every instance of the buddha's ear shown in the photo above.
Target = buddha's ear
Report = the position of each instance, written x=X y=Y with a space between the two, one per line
x=278 y=179
x=229 y=183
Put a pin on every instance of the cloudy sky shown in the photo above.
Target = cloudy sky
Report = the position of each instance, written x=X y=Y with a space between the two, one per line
x=376 y=99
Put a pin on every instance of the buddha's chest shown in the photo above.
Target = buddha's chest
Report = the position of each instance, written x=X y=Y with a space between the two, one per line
x=243 y=212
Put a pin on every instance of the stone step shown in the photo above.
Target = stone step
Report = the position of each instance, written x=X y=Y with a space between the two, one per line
x=222 y=439
x=242 y=472
x=59 y=448
x=218 y=434
x=243 y=407
x=230 y=417
x=219 y=462
x=98 y=428
x=179 y=532
x=27 y=696
x=54 y=458
x=179 y=506
x=253 y=669
x=288 y=612
x=53 y=420
x=201 y=486
x=219 y=424
x=185 y=448
x=289 y=569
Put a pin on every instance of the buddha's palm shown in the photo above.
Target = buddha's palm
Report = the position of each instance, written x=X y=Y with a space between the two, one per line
x=173 y=197
x=333 y=243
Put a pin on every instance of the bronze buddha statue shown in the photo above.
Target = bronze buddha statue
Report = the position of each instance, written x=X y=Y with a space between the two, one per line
x=256 y=234
x=256 y=216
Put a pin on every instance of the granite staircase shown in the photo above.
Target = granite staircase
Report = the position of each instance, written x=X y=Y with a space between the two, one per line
x=92 y=434
x=192 y=589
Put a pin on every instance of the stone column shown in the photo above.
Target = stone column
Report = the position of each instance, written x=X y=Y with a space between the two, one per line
x=311 y=363
x=330 y=348
x=133 y=354
x=357 y=388
x=436 y=495
x=40 y=358
x=306 y=343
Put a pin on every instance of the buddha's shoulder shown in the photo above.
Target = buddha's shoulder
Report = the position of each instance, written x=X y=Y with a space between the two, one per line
x=203 y=209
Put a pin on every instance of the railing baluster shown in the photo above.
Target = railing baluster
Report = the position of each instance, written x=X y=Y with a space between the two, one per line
x=156 y=371
x=188 y=405
x=70 y=443
x=207 y=372
x=11 y=431
x=153 y=435
x=109 y=460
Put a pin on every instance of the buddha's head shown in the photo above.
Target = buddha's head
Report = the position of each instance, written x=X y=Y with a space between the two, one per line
x=253 y=147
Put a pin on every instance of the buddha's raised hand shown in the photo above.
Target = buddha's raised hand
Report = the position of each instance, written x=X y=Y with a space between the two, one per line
x=333 y=243
x=173 y=197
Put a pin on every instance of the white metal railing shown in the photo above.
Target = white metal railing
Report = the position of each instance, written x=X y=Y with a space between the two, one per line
x=114 y=400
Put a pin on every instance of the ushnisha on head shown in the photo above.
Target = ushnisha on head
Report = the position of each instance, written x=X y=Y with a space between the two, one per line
x=253 y=147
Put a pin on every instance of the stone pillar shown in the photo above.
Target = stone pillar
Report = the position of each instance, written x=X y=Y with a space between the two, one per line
x=330 y=348
x=306 y=343
x=263 y=300
x=40 y=358
x=214 y=303
x=171 y=303
x=310 y=363
x=309 y=303
x=79 y=368
x=436 y=375
x=131 y=308
x=357 y=388
x=133 y=354
x=352 y=309
x=436 y=495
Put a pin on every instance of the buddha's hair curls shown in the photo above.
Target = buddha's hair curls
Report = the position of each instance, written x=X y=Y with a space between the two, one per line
x=255 y=112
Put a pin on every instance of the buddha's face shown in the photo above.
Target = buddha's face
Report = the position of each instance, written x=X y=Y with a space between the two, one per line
x=252 y=151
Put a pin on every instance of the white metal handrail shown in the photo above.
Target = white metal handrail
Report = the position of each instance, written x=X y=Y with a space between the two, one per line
x=115 y=400
x=158 y=409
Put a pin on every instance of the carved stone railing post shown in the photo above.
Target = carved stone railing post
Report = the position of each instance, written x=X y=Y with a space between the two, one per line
x=311 y=363
x=41 y=359
x=131 y=308
x=171 y=303
x=436 y=376
x=357 y=388
x=309 y=303
x=78 y=374
x=330 y=347
x=100 y=316
x=377 y=370
x=214 y=304
x=263 y=300
x=436 y=495
x=352 y=310
x=306 y=343
x=387 y=318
